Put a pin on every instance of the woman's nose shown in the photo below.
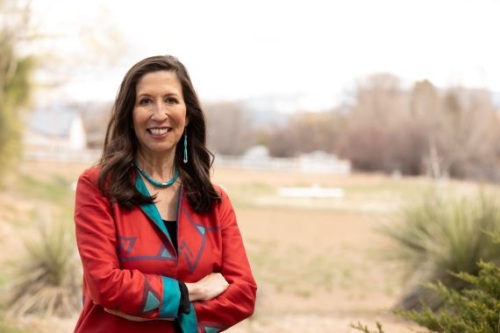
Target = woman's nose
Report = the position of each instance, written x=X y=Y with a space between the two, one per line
x=159 y=112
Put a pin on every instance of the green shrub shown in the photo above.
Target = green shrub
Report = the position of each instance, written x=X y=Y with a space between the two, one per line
x=475 y=309
x=441 y=235
x=365 y=329
x=47 y=281
x=472 y=310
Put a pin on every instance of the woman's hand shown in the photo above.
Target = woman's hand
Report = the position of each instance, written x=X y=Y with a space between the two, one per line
x=207 y=288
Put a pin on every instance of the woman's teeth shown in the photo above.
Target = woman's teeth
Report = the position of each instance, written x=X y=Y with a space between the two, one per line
x=158 y=131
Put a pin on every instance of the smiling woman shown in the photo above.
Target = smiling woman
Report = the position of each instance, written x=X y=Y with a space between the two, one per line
x=159 y=115
x=159 y=243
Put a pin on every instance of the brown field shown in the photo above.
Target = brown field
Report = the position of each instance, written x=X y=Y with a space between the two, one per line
x=319 y=263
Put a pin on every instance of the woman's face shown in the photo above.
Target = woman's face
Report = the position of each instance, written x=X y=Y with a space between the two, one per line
x=159 y=114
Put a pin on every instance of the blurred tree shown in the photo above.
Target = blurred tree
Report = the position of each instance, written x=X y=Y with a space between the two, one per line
x=79 y=52
x=281 y=142
x=95 y=118
x=304 y=133
x=381 y=134
x=422 y=131
x=365 y=145
x=473 y=126
x=15 y=84
x=461 y=130
x=230 y=131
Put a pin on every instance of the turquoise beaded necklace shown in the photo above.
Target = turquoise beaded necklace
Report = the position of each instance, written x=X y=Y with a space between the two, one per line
x=155 y=182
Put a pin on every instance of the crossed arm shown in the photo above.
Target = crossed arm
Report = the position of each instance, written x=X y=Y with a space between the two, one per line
x=205 y=289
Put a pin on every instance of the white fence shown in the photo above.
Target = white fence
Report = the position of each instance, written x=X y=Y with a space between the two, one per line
x=304 y=164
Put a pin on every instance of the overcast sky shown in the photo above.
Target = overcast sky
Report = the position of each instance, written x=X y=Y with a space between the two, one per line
x=238 y=49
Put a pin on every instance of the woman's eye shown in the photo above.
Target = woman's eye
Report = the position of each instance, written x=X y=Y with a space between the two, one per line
x=171 y=100
x=144 y=101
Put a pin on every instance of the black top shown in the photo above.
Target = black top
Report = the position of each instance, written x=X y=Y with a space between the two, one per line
x=172 y=231
x=184 y=304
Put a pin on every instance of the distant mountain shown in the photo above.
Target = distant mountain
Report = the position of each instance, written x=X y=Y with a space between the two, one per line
x=275 y=109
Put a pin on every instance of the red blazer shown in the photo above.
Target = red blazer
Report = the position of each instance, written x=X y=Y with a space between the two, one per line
x=130 y=264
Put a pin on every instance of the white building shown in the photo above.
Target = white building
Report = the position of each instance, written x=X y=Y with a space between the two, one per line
x=54 y=133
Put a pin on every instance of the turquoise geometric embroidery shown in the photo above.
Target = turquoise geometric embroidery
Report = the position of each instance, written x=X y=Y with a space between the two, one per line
x=165 y=254
x=211 y=330
x=152 y=302
x=201 y=229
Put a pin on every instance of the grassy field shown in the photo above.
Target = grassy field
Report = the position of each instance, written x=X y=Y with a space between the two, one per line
x=320 y=263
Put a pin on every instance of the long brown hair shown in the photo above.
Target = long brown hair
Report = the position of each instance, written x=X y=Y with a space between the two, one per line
x=116 y=177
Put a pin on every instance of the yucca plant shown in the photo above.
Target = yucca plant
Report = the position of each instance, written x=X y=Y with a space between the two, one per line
x=441 y=235
x=47 y=280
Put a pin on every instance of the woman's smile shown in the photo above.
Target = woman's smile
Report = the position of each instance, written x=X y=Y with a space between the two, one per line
x=159 y=131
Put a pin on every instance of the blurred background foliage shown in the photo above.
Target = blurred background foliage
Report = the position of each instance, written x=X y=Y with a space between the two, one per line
x=16 y=71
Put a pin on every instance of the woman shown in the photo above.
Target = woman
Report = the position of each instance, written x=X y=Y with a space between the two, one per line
x=159 y=243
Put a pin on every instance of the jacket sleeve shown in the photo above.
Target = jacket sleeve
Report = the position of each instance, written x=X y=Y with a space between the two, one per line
x=238 y=301
x=128 y=291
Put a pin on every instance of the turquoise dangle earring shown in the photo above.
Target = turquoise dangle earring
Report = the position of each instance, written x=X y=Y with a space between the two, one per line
x=185 y=146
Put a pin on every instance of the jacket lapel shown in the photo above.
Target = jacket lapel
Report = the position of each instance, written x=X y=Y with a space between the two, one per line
x=150 y=209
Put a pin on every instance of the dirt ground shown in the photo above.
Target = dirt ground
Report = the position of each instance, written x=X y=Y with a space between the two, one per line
x=319 y=263
x=335 y=258
x=340 y=247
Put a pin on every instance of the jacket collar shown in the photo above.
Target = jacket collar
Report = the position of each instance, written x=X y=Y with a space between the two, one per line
x=150 y=208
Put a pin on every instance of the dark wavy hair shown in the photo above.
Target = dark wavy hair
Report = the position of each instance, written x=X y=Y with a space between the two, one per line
x=117 y=176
